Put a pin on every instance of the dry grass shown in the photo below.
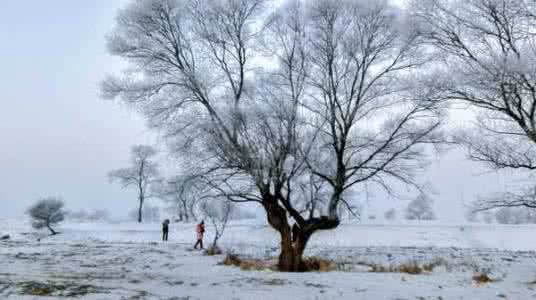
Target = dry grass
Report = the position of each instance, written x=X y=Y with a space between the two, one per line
x=483 y=278
x=232 y=260
x=436 y=262
x=310 y=264
x=213 y=251
x=318 y=264
x=254 y=265
x=246 y=264
x=411 y=267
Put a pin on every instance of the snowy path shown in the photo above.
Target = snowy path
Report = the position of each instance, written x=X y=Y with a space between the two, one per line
x=107 y=270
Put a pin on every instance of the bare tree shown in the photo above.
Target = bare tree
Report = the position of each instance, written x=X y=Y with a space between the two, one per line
x=142 y=174
x=343 y=103
x=390 y=214
x=47 y=212
x=184 y=192
x=524 y=198
x=149 y=213
x=490 y=62
x=420 y=208
x=218 y=212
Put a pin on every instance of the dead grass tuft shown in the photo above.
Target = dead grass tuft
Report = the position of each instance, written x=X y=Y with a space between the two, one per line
x=213 y=251
x=436 y=262
x=253 y=265
x=246 y=264
x=483 y=278
x=318 y=264
x=232 y=260
x=411 y=267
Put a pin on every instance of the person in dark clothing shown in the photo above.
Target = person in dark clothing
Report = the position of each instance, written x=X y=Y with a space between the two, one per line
x=165 y=230
x=200 y=230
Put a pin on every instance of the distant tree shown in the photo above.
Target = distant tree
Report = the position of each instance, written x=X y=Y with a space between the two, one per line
x=80 y=215
x=420 y=208
x=487 y=216
x=85 y=216
x=47 y=212
x=183 y=192
x=149 y=213
x=390 y=214
x=218 y=212
x=99 y=215
x=504 y=215
x=471 y=216
x=142 y=174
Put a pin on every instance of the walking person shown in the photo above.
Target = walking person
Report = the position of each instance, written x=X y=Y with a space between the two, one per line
x=200 y=230
x=165 y=230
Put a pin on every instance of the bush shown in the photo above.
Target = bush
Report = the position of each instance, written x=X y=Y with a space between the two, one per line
x=47 y=212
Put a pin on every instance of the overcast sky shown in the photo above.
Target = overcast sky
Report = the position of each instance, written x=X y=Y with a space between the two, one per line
x=57 y=137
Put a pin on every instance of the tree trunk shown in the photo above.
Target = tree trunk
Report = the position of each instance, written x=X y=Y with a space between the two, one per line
x=286 y=262
x=51 y=230
x=185 y=212
x=290 y=258
x=140 y=208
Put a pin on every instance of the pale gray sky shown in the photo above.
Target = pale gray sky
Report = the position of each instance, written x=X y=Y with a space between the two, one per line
x=57 y=137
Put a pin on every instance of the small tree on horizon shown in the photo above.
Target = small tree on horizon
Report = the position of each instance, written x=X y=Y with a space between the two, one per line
x=142 y=174
x=47 y=212
x=420 y=208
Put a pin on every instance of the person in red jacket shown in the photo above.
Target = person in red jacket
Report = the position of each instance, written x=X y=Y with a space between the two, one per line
x=200 y=230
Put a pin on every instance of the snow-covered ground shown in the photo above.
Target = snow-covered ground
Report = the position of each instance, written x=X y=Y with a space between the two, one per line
x=127 y=261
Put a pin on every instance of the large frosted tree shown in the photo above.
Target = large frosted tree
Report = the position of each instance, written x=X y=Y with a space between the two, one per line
x=489 y=62
x=260 y=97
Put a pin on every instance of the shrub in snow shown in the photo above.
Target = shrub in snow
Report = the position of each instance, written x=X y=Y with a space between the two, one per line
x=47 y=212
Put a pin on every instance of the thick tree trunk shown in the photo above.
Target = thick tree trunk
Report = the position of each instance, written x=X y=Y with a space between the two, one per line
x=287 y=258
x=290 y=257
